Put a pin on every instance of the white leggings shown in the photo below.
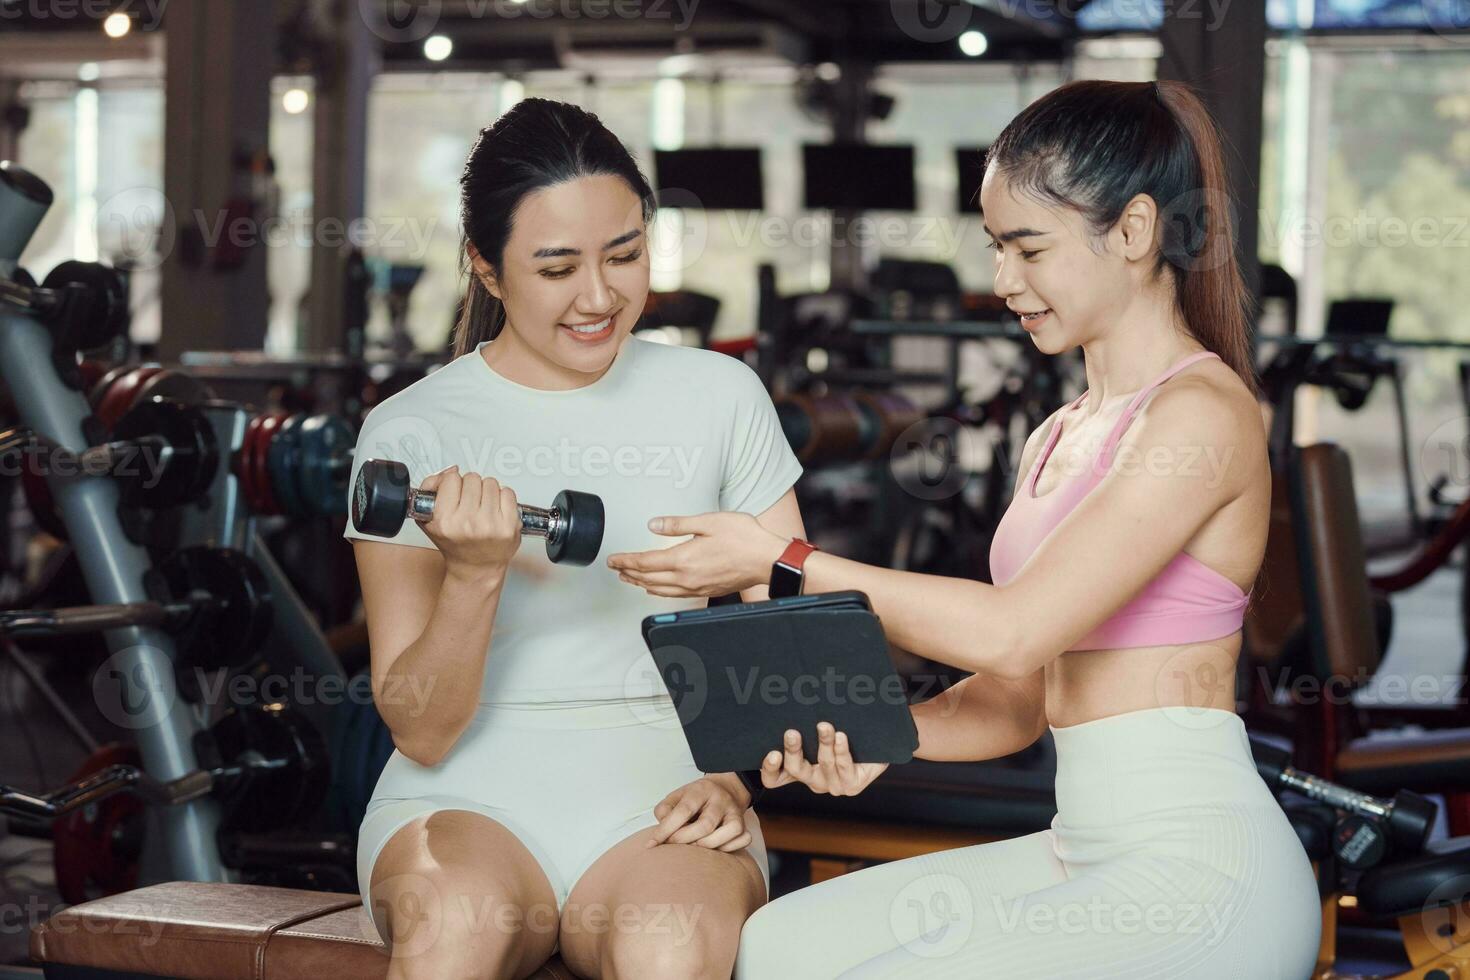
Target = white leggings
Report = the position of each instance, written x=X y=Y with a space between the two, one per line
x=1167 y=858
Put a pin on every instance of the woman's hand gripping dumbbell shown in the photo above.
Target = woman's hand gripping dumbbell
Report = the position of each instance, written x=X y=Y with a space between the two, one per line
x=382 y=500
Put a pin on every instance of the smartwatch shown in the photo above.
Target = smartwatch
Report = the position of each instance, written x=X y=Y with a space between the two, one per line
x=751 y=779
x=786 y=572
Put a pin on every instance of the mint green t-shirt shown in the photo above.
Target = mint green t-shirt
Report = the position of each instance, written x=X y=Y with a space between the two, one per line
x=665 y=431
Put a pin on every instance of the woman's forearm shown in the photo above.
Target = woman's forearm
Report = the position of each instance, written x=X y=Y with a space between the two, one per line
x=432 y=690
x=955 y=621
x=981 y=717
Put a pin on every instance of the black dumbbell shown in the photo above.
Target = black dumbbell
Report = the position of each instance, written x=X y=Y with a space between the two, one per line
x=382 y=500
x=1406 y=820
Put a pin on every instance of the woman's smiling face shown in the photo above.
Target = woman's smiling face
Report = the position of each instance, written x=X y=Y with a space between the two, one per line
x=577 y=257
x=1049 y=262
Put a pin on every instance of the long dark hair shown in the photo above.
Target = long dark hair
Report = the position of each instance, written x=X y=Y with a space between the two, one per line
x=537 y=144
x=1093 y=145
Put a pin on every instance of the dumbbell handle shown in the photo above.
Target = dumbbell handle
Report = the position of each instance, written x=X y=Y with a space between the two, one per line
x=96 y=460
x=534 y=520
x=37 y=300
x=120 y=778
x=92 y=619
x=1334 y=795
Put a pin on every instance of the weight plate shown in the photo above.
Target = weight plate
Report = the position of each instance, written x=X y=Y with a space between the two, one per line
x=266 y=799
x=96 y=847
x=585 y=522
x=243 y=472
x=186 y=472
x=123 y=392
x=230 y=632
x=176 y=386
x=99 y=389
x=106 y=316
x=326 y=442
x=91 y=372
x=269 y=424
x=282 y=461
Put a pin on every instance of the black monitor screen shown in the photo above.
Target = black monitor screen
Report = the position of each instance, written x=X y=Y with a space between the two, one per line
x=970 y=165
x=712 y=178
x=859 y=176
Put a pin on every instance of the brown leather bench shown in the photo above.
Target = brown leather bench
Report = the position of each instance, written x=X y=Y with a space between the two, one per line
x=216 y=931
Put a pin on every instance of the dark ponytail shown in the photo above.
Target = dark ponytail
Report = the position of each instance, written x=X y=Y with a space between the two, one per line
x=537 y=144
x=1093 y=145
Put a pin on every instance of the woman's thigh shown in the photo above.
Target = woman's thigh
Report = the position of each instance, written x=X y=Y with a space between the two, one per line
x=1137 y=918
x=454 y=886
x=819 y=931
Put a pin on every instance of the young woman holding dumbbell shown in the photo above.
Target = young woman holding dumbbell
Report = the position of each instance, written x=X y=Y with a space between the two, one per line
x=542 y=793
x=1121 y=575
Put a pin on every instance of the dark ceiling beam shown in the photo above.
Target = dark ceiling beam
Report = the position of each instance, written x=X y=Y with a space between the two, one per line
x=793 y=14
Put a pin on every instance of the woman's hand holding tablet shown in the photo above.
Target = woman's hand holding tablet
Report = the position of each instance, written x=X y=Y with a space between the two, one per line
x=834 y=773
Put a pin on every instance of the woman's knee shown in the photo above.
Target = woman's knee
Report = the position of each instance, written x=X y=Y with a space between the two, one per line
x=702 y=951
x=447 y=910
x=765 y=935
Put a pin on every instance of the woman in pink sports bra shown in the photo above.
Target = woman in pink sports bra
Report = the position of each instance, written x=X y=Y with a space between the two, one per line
x=1122 y=570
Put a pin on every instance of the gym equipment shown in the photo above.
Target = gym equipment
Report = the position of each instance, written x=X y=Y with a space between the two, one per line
x=164 y=454
x=1319 y=566
x=1373 y=862
x=820 y=429
x=1371 y=827
x=194 y=930
x=382 y=500
x=1349 y=365
x=184 y=451
x=120 y=390
x=214 y=601
x=267 y=765
x=295 y=464
x=96 y=846
x=323 y=453
x=835 y=428
x=230 y=601
x=280 y=769
x=45 y=383
x=85 y=304
x=165 y=451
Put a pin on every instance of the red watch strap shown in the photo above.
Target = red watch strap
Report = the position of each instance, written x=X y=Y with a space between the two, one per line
x=795 y=554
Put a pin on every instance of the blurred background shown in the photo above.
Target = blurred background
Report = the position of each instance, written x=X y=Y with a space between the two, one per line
x=275 y=184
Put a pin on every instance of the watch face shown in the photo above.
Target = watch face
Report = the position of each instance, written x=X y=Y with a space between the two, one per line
x=785 y=581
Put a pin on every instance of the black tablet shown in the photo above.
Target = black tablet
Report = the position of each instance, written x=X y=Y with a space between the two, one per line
x=741 y=675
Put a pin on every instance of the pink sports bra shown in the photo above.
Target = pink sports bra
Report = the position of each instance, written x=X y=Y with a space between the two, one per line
x=1187 y=602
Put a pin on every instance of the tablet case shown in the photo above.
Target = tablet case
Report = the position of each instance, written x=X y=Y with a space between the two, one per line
x=741 y=675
